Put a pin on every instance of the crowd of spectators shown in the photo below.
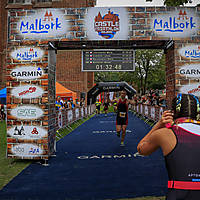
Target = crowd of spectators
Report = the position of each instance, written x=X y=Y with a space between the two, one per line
x=68 y=103
x=152 y=97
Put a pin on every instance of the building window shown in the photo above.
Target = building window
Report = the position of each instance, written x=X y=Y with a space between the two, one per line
x=20 y=1
x=41 y=1
x=16 y=1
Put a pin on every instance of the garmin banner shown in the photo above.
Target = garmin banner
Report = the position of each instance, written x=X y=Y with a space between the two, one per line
x=109 y=87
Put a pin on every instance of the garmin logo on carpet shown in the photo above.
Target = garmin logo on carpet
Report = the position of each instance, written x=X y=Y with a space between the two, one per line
x=119 y=156
x=111 y=131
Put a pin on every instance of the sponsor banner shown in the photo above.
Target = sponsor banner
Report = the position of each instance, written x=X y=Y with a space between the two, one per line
x=27 y=112
x=27 y=54
x=82 y=112
x=191 y=89
x=107 y=23
x=26 y=150
x=146 y=110
x=60 y=119
x=27 y=91
x=190 y=71
x=111 y=96
x=190 y=51
x=141 y=109
x=27 y=132
x=43 y=24
x=77 y=113
x=27 y=73
x=153 y=112
x=69 y=115
x=180 y=23
x=160 y=112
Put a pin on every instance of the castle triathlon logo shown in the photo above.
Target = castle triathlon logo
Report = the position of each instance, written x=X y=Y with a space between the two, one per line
x=108 y=25
x=181 y=23
x=44 y=23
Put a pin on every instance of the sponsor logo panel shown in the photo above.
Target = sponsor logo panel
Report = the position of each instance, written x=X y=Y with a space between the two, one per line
x=191 y=89
x=26 y=150
x=27 y=132
x=190 y=51
x=190 y=71
x=27 y=73
x=27 y=91
x=70 y=115
x=107 y=24
x=27 y=54
x=77 y=113
x=82 y=112
x=181 y=23
x=43 y=24
x=60 y=119
x=27 y=112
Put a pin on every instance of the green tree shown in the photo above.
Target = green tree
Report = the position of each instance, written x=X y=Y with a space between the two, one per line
x=175 y=2
x=106 y=77
x=149 y=72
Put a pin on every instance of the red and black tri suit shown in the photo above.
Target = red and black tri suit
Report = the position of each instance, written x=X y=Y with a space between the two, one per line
x=183 y=163
x=122 y=112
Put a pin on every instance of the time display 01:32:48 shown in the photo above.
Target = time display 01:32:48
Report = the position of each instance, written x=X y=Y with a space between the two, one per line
x=109 y=67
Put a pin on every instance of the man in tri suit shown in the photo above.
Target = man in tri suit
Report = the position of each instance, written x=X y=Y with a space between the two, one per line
x=178 y=135
x=122 y=115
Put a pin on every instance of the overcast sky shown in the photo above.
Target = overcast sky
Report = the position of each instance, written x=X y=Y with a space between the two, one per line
x=116 y=3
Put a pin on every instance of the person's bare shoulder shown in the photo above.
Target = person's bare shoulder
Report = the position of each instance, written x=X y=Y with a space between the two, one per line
x=164 y=138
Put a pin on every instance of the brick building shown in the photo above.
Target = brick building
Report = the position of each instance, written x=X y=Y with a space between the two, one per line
x=3 y=40
x=68 y=72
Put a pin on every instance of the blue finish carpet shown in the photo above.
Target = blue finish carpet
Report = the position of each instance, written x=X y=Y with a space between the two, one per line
x=91 y=165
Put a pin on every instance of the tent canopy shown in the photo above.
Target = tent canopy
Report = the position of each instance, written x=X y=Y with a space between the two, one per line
x=3 y=93
x=64 y=92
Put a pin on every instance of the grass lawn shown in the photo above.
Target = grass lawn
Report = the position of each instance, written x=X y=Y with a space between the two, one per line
x=9 y=168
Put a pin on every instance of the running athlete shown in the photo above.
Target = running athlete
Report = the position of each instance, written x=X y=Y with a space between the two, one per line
x=115 y=104
x=98 y=106
x=178 y=135
x=106 y=105
x=122 y=115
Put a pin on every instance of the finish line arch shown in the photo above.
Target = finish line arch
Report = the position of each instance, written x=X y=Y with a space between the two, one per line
x=31 y=63
x=109 y=87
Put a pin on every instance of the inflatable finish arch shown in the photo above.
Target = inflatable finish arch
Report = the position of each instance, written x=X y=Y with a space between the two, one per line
x=109 y=87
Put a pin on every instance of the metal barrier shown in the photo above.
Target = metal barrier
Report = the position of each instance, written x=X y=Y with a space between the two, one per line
x=66 y=117
x=147 y=112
